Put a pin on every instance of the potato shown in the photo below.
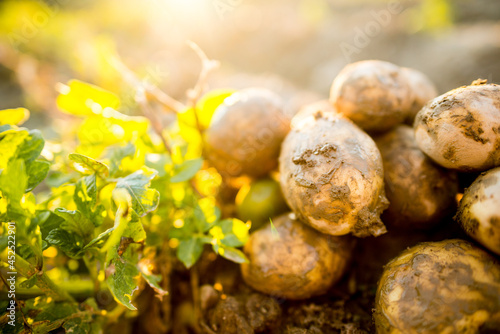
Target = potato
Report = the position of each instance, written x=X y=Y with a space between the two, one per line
x=422 y=89
x=331 y=175
x=449 y=286
x=259 y=201
x=374 y=94
x=297 y=262
x=461 y=129
x=245 y=134
x=421 y=193
x=479 y=212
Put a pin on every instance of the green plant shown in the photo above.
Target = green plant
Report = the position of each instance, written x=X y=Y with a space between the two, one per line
x=116 y=203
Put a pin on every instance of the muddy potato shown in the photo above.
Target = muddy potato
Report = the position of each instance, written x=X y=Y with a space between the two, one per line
x=479 y=210
x=374 y=94
x=295 y=261
x=449 y=286
x=420 y=192
x=331 y=175
x=461 y=129
x=422 y=90
x=245 y=134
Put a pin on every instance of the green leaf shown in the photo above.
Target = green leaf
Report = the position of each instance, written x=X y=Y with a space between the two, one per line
x=37 y=171
x=13 y=181
x=70 y=243
x=144 y=199
x=189 y=251
x=123 y=282
x=83 y=99
x=87 y=165
x=235 y=232
x=85 y=198
x=99 y=240
x=153 y=281
x=116 y=154
x=14 y=116
x=75 y=222
x=135 y=230
x=205 y=109
x=32 y=146
x=112 y=128
x=29 y=283
x=47 y=220
x=186 y=170
x=78 y=325
x=10 y=141
x=232 y=254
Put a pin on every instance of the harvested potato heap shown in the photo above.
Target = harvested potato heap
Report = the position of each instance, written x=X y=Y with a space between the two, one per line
x=420 y=192
x=331 y=174
x=246 y=132
x=294 y=261
x=479 y=211
x=450 y=286
x=335 y=179
x=377 y=95
x=461 y=129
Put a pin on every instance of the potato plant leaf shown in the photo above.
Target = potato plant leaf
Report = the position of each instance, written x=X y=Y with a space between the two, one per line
x=29 y=283
x=189 y=251
x=116 y=154
x=76 y=222
x=232 y=254
x=31 y=147
x=153 y=281
x=186 y=170
x=37 y=171
x=88 y=165
x=10 y=141
x=144 y=199
x=123 y=282
x=14 y=116
x=84 y=99
x=70 y=243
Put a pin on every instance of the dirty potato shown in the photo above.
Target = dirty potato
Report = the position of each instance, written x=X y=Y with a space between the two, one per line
x=294 y=261
x=331 y=175
x=461 y=129
x=479 y=212
x=374 y=94
x=449 y=286
x=422 y=91
x=420 y=192
x=245 y=134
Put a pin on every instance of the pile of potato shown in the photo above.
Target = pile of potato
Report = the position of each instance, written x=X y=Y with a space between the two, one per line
x=352 y=167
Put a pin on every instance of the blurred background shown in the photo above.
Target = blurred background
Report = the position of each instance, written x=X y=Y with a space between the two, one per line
x=295 y=47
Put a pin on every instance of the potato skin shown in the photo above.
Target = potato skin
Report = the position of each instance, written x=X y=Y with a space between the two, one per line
x=298 y=263
x=479 y=213
x=461 y=129
x=449 y=286
x=374 y=94
x=420 y=192
x=422 y=90
x=246 y=132
x=331 y=175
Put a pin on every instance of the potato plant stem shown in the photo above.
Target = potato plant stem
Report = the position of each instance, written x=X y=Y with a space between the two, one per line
x=195 y=289
x=43 y=282
x=77 y=289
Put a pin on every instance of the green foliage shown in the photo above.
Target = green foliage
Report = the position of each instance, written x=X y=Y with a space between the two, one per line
x=106 y=199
